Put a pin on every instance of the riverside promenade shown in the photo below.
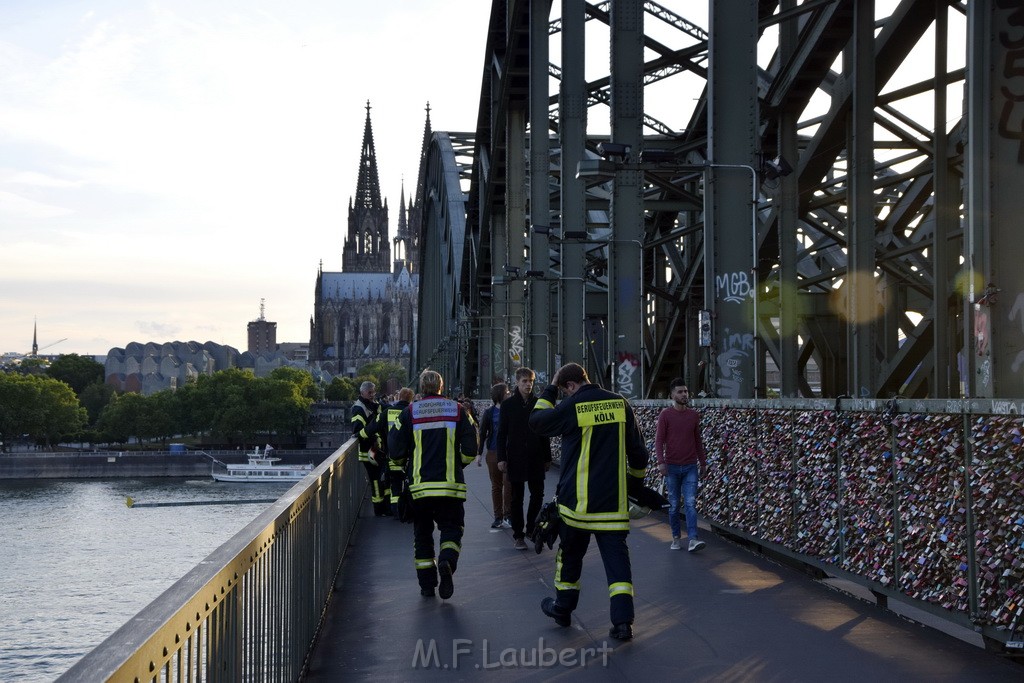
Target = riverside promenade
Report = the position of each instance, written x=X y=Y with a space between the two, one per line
x=723 y=614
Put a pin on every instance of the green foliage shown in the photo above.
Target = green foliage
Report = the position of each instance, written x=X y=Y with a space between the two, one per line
x=381 y=371
x=31 y=366
x=45 y=409
x=76 y=371
x=300 y=378
x=341 y=389
x=94 y=399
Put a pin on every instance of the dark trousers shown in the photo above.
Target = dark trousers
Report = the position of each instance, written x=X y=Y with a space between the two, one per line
x=536 y=502
x=449 y=515
x=396 y=484
x=379 y=491
x=614 y=554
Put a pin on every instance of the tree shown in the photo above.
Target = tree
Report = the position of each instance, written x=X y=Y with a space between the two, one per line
x=300 y=378
x=78 y=372
x=45 y=409
x=94 y=399
x=379 y=372
x=341 y=389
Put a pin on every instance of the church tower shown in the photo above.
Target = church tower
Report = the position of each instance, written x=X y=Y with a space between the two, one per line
x=366 y=247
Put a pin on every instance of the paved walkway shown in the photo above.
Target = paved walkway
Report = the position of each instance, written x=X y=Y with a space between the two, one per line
x=723 y=614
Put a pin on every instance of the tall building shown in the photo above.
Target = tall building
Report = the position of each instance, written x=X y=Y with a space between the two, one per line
x=262 y=335
x=367 y=312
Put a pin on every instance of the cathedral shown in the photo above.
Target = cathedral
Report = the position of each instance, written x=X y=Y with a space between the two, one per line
x=367 y=312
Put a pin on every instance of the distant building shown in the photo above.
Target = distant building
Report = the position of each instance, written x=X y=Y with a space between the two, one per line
x=147 y=368
x=262 y=335
x=367 y=312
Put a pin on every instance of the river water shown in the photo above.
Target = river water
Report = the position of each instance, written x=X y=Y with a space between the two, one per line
x=76 y=562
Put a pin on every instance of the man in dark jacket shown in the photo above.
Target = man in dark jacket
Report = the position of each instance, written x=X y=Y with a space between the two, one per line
x=523 y=455
x=364 y=412
x=433 y=440
x=603 y=456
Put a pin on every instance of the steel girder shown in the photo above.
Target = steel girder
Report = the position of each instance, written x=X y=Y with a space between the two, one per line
x=913 y=195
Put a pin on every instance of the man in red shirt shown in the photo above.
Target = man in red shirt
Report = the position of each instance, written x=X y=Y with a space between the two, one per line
x=681 y=460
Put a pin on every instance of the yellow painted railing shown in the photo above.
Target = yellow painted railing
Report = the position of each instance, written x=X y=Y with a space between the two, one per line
x=251 y=610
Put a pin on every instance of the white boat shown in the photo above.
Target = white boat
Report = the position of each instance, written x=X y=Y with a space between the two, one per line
x=260 y=468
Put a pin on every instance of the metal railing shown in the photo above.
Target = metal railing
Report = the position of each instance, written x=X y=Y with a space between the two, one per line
x=251 y=610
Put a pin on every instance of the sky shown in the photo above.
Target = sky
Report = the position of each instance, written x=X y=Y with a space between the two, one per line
x=167 y=164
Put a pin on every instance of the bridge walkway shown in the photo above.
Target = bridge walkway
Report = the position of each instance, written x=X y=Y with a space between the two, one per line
x=722 y=614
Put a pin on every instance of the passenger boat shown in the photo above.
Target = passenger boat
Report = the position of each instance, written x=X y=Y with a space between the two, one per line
x=260 y=468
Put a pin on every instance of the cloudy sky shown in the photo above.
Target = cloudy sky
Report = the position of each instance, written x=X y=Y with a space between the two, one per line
x=165 y=164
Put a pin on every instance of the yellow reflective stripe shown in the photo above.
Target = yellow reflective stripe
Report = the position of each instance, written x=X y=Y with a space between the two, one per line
x=621 y=588
x=595 y=521
x=599 y=526
x=559 y=583
x=452 y=545
x=583 y=470
x=543 y=404
x=357 y=417
x=417 y=456
x=639 y=474
x=623 y=500
x=424 y=564
x=449 y=456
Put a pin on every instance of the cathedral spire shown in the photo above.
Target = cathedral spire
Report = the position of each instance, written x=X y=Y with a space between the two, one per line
x=35 y=338
x=366 y=248
x=368 y=185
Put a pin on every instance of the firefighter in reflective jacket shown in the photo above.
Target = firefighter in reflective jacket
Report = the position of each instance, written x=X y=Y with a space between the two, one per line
x=437 y=438
x=386 y=420
x=364 y=412
x=603 y=455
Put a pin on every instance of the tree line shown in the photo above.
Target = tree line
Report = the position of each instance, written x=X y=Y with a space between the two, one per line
x=68 y=401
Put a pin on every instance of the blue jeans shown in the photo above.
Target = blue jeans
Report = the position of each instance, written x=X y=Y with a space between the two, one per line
x=682 y=477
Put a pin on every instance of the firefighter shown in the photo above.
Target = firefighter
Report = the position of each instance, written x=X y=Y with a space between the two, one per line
x=437 y=438
x=364 y=412
x=603 y=456
x=387 y=418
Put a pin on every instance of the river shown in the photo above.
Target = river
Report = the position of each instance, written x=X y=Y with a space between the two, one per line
x=76 y=562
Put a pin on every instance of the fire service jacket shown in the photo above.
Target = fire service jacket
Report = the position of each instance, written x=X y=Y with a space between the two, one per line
x=438 y=438
x=603 y=454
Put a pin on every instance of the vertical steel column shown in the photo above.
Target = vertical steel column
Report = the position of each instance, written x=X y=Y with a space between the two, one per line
x=515 y=213
x=729 y=218
x=625 y=274
x=787 y=203
x=995 y=200
x=572 y=118
x=862 y=300
x=499 y=298
x=539 y=328
x=946 y=218
x=977 y=365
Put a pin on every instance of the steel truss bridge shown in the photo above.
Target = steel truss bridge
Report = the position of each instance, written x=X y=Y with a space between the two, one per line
x=760 y=202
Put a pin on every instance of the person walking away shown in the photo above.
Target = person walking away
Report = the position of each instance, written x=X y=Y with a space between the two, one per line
x=364 y=412
x=433 y=440
x=501 y=487
x=523 y=455
x=682 y=461
x=394 y=475
x=603 y=457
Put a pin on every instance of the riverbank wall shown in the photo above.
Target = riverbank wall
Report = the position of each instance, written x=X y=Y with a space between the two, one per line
x=131 y=464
